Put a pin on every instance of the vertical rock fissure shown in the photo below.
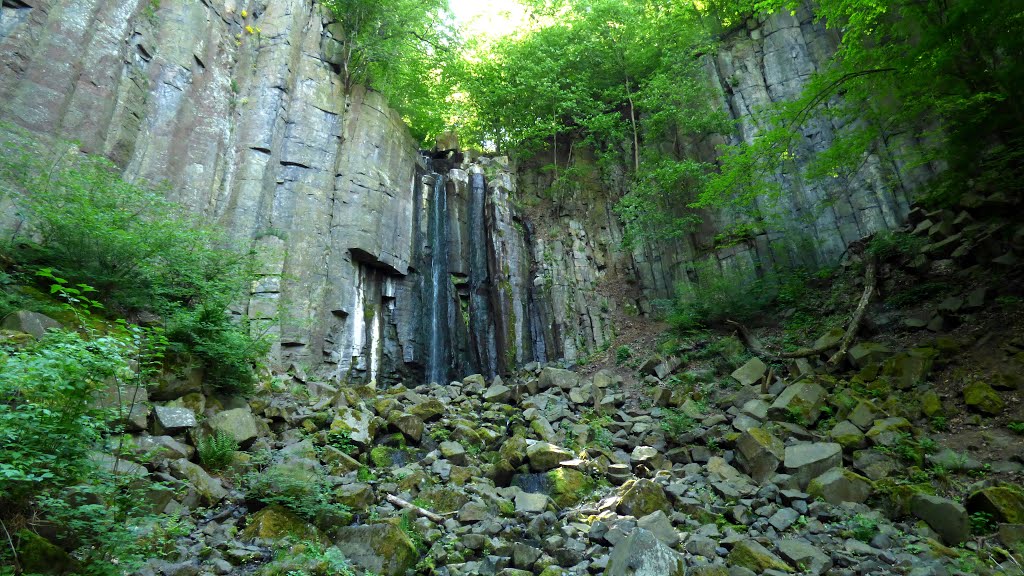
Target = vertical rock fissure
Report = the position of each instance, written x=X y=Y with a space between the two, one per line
x=481 y=327
x=438 y=363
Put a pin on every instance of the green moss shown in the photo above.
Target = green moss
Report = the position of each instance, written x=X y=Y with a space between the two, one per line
x=38 y=555
x=277 y=523
x=569 y=486
x=1004 y=503
x=897 y=493
x=753 y=556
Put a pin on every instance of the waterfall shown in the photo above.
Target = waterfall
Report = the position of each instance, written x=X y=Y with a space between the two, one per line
x=439 y=360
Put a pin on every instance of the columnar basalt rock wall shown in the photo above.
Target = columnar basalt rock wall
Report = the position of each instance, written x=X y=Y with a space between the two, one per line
x=246 y=120
x=244 y=117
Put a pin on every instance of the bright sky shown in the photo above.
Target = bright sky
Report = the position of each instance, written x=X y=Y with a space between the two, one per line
x=488 y=18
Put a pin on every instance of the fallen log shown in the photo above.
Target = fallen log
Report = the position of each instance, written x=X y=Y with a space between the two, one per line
x=435 y=518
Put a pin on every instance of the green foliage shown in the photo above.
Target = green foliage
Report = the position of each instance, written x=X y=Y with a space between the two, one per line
x=675 y=423
x=216 y=450
x=48 y=417
x=404 y=49
x=909 y=449
x=84 y=224
x=342 y=440
x=718 y=294
x=304 y=492
x=108 y=523
x=622 y=354
x=982 y=523
x=1017 y=427
x=309 y=558
x=863 y=527
x=887 y=244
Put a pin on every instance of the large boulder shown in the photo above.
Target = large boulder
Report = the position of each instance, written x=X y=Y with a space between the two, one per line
x=569 y=486
x=948 y=518
x=275 y=523
x=170 y=420
x=750 y=373
x=759 y=453
x=208 y=489
x=642 y=497
x=800 y=402
x=360 y=426
x=238 y=423
x=1003 y=503
x=551 y=377
x=981 y=397
x=840 y=485
x=381 y=548
x=802 y=553
x=29 y=322
x=544 y=456
x=752 y=555
x=642 y=554
x=808 y=461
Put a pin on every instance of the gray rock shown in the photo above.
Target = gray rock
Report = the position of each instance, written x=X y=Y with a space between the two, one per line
x=800 y=402
x=642 y=554
x=381 y=548
x=558 y=378
x=239 y=423
x=168 y=420
x=750 y=373
x=544 y=456
x=29 y=322
x=840 y=485
x=759 y=453
x=208 y=488
x=803 y=554
x=807 y=461
x=948 y=518
x=531 y=503
x=657 y=523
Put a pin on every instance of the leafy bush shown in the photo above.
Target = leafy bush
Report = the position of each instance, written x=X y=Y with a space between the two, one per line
x=48 y=418
x=622 y=354
x=675 y=423
x=887 y=244
x=142 y=254
x=717 y=295
x=304 y=492
x=217 y=449
x=863 y=527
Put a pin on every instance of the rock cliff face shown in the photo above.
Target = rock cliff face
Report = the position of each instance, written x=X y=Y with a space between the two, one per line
x=238 y=107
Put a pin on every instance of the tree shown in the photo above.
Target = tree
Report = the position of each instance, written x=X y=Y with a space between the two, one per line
x=405 y=49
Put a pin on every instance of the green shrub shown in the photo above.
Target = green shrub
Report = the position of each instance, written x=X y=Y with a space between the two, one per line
x=217 y=449
x=622 y=354
x=675 y=423
x=143 y=255
x=887 y=244
x=303 y=491
x=48 y=418
x=863 y=527
x=717 y=295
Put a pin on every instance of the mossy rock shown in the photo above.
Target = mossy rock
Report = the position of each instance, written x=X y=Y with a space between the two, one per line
x=40 y=556
x=569 y=486
x=443 y=499
x=382 y=548
x=898 y=496
x=931 y=404
x=1004 y=503
x=642 y=497
x=751 y=555
x=382 y=456
x=275 y=523
x=981 y=397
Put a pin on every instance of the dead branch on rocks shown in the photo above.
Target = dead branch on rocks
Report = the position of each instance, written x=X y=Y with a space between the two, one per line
x=870 y=282
x=435 y=518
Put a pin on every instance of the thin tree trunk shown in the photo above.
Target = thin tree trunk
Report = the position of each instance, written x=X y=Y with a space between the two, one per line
x=636 y=134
